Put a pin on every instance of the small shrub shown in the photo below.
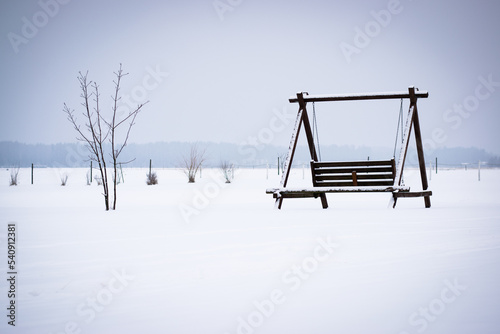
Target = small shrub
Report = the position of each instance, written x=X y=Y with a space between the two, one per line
x=152 y=178
x=227 y=170
x=192 y=163
x=118 y=180
x=89 y=180
x=98 y=179
x=64 y=179
x=14 y=174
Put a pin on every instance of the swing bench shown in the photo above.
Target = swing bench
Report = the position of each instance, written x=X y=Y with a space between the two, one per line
x=354 y=176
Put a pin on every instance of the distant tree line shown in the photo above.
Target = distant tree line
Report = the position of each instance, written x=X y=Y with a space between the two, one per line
x=170 y=154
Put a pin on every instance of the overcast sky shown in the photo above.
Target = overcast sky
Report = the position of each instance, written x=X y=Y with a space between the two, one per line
x=223 y=70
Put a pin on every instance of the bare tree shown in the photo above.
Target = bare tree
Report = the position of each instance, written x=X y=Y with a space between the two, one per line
x=97 y=129
x=116 y=149
x=192 y=162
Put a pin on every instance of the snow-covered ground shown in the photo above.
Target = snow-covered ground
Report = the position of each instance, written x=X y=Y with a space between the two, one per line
x=218 y=258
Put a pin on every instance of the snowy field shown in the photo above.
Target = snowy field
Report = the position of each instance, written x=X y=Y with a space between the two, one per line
x=217 y=258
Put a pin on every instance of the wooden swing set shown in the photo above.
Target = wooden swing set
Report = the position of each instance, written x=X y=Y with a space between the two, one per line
x=355 y=176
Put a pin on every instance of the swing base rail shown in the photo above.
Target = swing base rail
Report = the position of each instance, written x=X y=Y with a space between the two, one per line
x=315 y=192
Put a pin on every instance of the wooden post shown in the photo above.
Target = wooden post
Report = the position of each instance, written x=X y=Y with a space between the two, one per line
x=149 y=167
x=313 y=174
x=354 y=178
x=31 y=173
x=278 y=165
x=310 y=139
x=420 y=147
x=436 y=165
x=91 y=171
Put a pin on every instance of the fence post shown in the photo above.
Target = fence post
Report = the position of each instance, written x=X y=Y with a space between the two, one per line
x=90 y=171
x=31 y=173
x=479 y=170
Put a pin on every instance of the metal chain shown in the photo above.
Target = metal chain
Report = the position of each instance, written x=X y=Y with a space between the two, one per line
x=315 y=129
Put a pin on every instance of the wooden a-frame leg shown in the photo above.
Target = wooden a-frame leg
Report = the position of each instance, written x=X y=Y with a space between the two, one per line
x=420 y=149
x=310 y=139
x=324 y=202
x=279 y=202
x=395 y=200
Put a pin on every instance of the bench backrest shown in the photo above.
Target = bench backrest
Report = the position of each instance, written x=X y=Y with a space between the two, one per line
x=353 y=173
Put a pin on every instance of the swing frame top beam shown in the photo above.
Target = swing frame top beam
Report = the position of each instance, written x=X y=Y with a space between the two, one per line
x=360 y=96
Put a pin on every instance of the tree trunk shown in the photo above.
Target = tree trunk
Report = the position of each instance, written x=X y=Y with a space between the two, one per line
x=114 y=185
x=104 y=184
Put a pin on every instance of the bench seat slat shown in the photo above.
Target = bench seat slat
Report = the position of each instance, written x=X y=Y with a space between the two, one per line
x=360 y=183
x=366 y=163
x=329 y=177
x=343 y=170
